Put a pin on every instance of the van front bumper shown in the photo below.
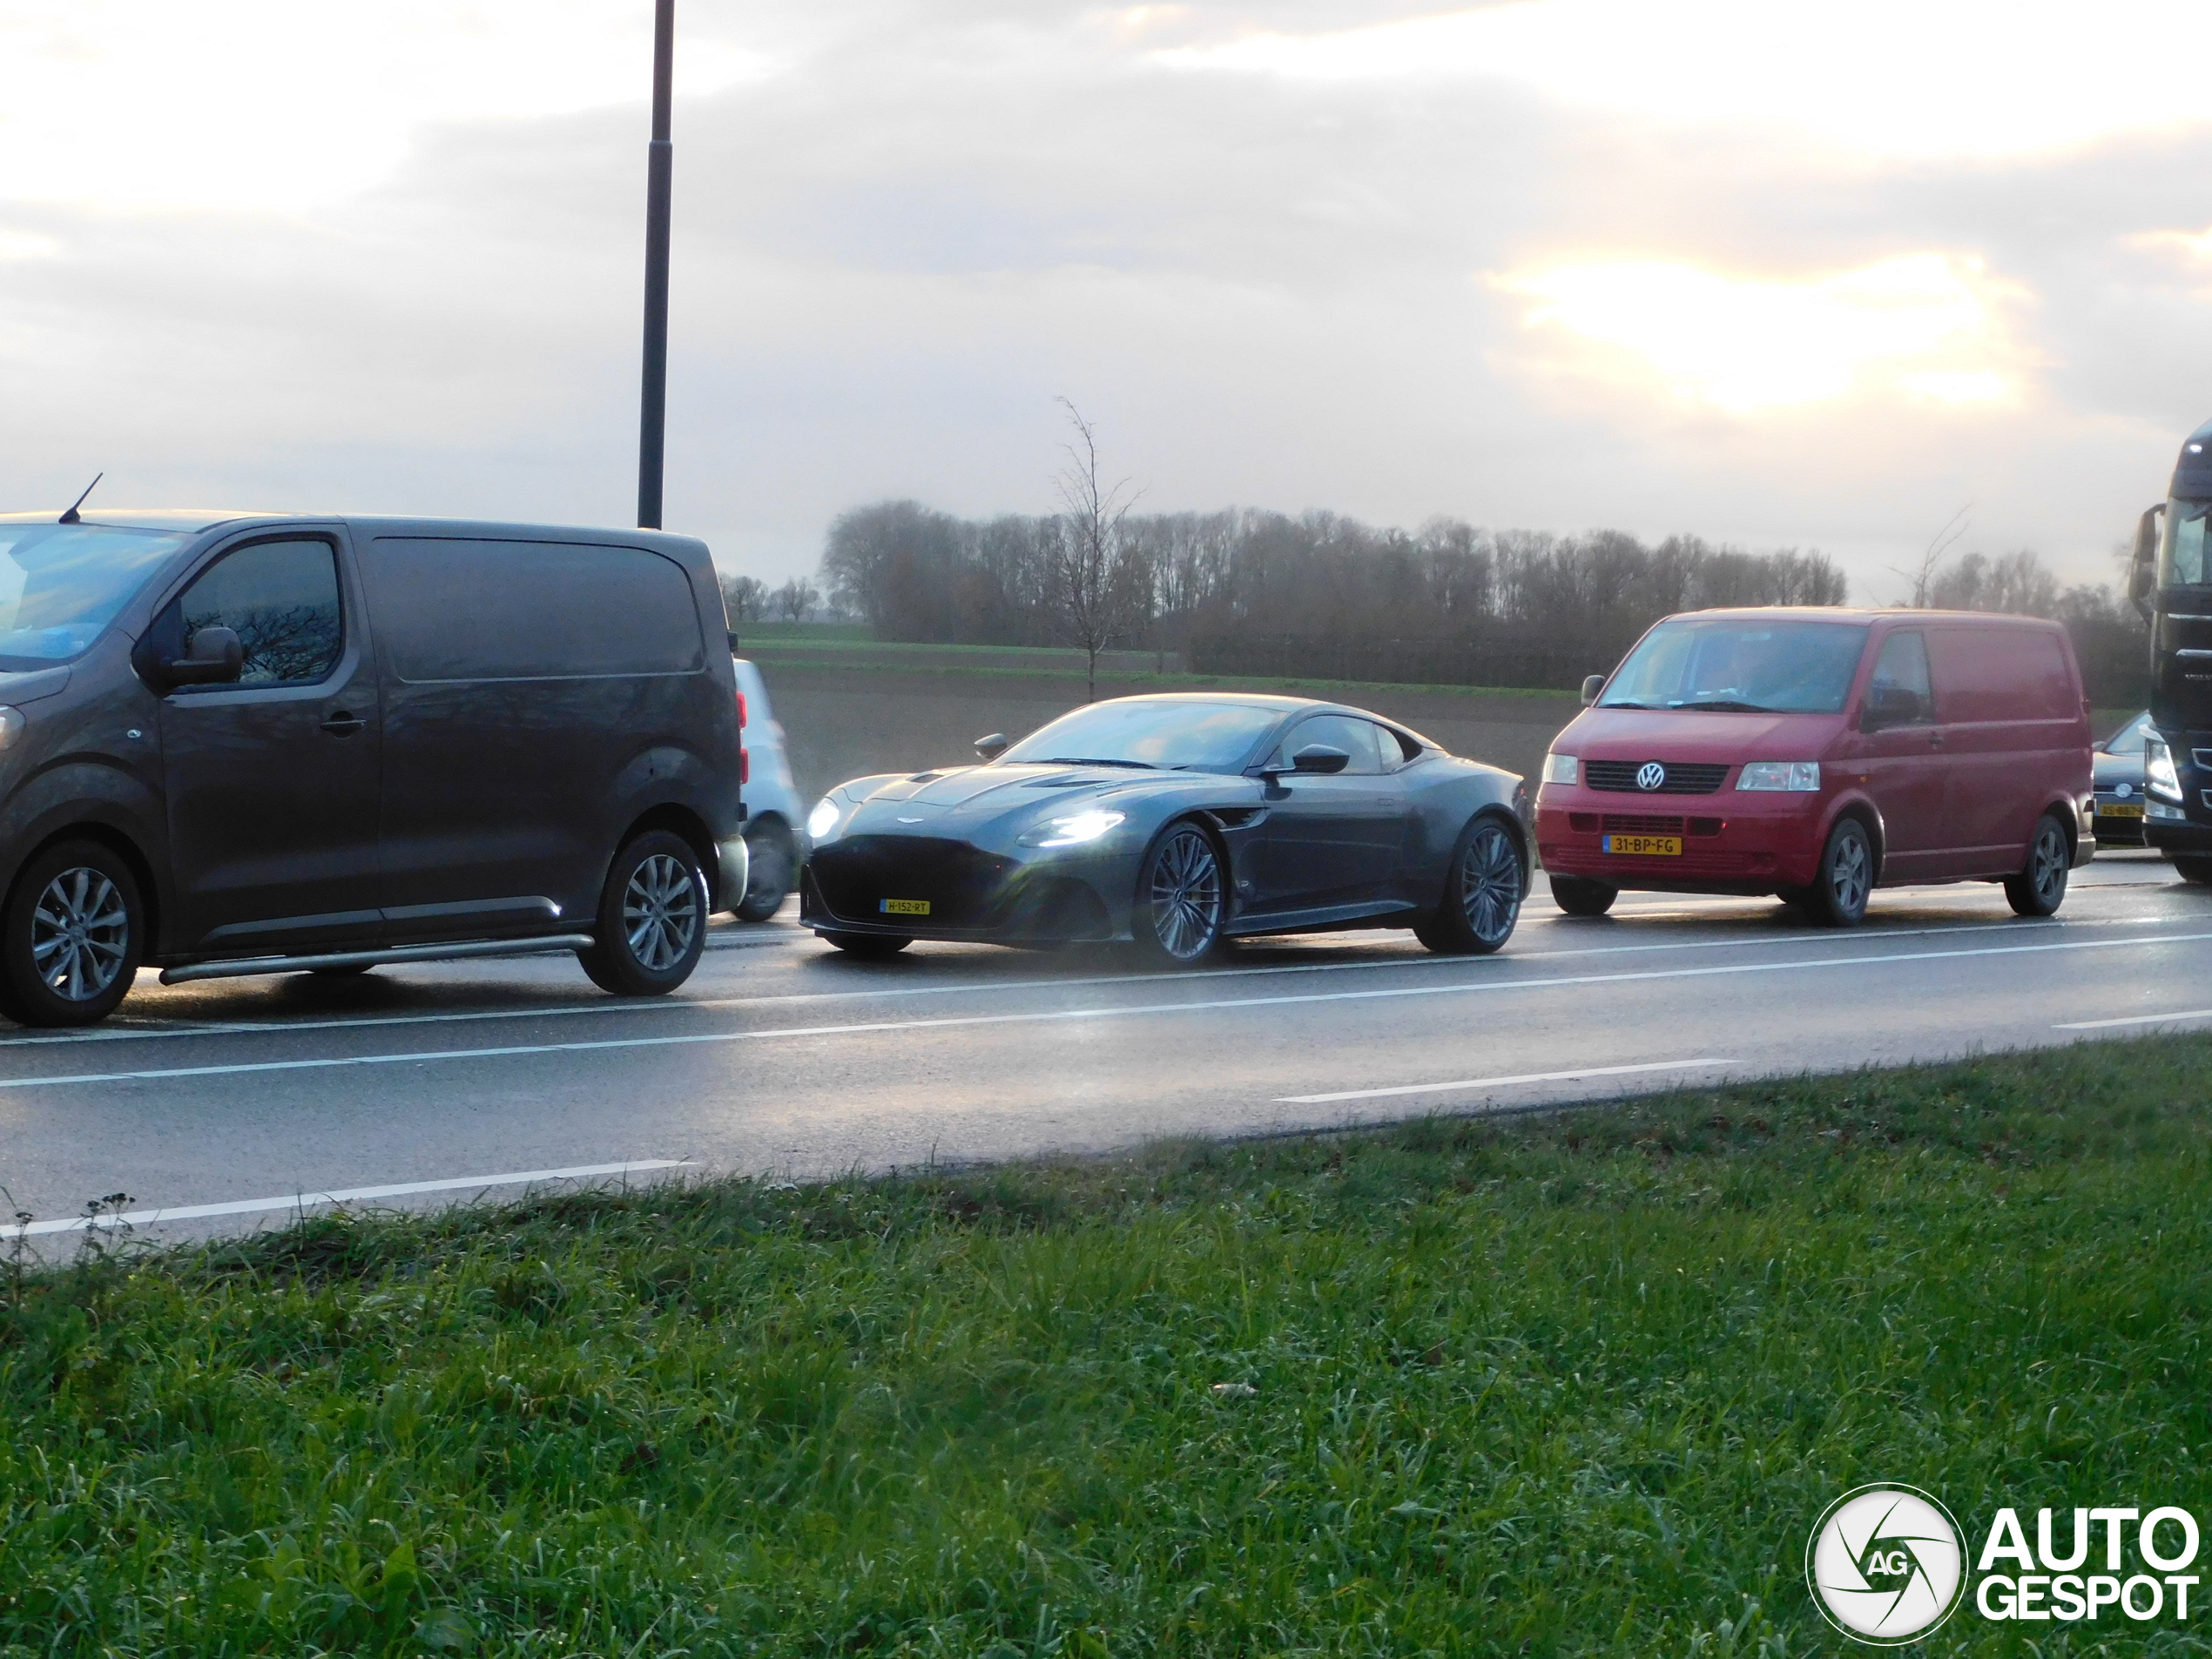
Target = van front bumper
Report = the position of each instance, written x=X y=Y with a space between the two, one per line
x=1727 y=844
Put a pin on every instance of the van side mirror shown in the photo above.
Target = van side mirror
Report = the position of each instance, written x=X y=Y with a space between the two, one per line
x=1889 y=705
x=215 y=658
x=992 y=747
x=1591 y=687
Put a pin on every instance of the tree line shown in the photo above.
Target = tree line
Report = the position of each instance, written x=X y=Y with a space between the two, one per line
x=1320 y=595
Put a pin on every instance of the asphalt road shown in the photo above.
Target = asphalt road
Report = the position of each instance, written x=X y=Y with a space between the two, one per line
x=240 y=1100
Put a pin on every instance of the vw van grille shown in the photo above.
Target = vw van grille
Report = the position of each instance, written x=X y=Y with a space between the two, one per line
x=1683 y=777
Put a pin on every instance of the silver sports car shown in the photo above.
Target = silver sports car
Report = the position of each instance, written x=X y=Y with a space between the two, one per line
x=1176 y=821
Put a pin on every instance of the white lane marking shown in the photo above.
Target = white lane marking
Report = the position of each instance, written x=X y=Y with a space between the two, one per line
x=369 y=1022
x=1492 y=1082
x=352 y=1195
x=1125 y=1011
x=2135 y=1019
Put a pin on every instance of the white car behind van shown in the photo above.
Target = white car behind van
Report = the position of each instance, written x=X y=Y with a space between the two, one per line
x=775 y=828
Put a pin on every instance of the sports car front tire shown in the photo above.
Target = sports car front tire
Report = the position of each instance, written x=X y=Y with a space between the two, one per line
x=1182 y=897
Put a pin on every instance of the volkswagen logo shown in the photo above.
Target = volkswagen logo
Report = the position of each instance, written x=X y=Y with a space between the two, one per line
x=1886 y=1565
x=2124 y=791
x=1650 y=775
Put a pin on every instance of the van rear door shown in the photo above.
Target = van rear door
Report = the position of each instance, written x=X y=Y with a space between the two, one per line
x=2010 y=709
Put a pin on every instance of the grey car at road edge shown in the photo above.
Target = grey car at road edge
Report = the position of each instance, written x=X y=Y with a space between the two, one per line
x=234 y=743
x=2117 y=776
x=1176 y=821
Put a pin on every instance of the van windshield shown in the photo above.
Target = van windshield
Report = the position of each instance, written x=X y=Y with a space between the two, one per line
x=60 y=584
x=1738 y=666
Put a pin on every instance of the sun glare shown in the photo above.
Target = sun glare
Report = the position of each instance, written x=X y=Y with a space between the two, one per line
x=1922 y=325
x=1886 y=77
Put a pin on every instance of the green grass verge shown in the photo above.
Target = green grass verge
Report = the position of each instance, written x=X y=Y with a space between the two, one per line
x=1560 y=1385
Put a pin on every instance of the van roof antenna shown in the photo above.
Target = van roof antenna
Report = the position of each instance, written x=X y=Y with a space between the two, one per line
x=70 y=518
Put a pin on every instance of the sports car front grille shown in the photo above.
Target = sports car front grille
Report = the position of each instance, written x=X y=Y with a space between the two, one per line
x=1682 y=777
x=959 y=883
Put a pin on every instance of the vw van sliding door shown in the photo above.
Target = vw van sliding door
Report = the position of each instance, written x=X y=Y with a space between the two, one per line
x=524 y=678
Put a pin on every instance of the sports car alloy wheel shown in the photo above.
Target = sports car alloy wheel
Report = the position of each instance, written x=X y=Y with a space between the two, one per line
x=660 y=912
x=79 y=932
x=1490 y=886
x=1182 y=894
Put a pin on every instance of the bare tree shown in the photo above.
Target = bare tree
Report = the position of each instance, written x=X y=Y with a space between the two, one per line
x=745 y=597
x=1099 y=581
x=1923 y=580
x=797 y=598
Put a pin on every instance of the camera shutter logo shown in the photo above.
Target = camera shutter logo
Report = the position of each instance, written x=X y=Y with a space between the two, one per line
x=1885 y=1564
x=1650 y=775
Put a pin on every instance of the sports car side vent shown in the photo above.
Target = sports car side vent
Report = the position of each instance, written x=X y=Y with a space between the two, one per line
x=1239 y=817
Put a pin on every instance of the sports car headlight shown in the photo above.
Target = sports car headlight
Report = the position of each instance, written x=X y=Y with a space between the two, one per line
x=1072 y=830
x=1562 y=769
x=2159 y=776
x=1793 y=777
x=823 y=819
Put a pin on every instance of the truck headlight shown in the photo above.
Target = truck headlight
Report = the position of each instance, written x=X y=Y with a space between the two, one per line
x=2159 y=776
x=1792 y=777
x=1562 y=769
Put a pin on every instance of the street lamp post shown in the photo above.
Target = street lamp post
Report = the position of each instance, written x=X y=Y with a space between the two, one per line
x=652 y=417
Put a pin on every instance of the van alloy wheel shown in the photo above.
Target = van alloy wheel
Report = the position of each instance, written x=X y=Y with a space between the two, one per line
x=71 y=936
x=80 y=933
x=2040 y=888
x=660 y=911
x=651 y=924
x=1845 y=881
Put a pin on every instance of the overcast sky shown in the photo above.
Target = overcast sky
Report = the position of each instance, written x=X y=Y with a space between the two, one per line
x=1772 y=274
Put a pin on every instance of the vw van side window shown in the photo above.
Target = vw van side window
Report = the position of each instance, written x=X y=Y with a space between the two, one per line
x=1899 y=693
x=281 y=600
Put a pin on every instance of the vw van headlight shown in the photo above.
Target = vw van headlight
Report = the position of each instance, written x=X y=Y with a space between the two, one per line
x=1792 y=777
x=1562 y=769
x=1071 y=831
x=2159 y=776
x=823 y=819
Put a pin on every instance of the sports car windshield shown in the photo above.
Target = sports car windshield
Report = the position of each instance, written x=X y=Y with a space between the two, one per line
x=1733 y=665
x=1173 y=737
x=60 y=584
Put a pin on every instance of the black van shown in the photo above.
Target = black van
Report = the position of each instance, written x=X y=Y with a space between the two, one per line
x=240 y=744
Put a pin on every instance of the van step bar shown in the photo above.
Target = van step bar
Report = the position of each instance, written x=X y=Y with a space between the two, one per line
x=247 y=965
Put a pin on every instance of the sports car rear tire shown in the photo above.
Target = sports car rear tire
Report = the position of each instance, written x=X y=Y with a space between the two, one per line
x=1482 y=893
x=1182 y=898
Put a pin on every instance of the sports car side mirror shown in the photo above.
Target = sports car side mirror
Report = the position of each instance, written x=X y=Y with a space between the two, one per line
x=1319 y=757
x=1591 y=687
x=993 y=746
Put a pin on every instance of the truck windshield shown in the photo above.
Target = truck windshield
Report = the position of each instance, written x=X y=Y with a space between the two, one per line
x=60 y=584
x=1735 y=666
x=2180 y=551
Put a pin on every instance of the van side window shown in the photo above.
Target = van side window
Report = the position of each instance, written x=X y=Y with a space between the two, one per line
x=281 y=599
x=1899 y=693
x=468 y=610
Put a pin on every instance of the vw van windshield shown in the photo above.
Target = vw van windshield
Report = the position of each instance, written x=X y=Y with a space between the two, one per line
x=1735 y=664
x=60 y=584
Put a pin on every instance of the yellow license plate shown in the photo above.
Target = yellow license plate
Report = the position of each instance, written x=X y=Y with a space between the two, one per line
x=1663 y=847
x=2119 y=809
x=904 y=907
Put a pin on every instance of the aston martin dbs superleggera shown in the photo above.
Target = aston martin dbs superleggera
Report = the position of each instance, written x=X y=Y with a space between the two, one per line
x=1176 y=821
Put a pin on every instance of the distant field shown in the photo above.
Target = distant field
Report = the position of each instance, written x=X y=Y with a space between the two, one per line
x=1570 y=1384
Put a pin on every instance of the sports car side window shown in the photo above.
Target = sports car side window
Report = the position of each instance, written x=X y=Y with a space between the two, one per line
x=1393 y=750
x=1355 y=737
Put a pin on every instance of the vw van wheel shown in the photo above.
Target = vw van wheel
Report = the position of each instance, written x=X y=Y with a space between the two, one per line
x=1578 y=896
x=72 y=938
x=1181 y=900
x=868 y=947
x=1839 y=893
x=2039 y=889
x=652 y=917
x=769 y=873
x=1481 y=895
x=2196 y=872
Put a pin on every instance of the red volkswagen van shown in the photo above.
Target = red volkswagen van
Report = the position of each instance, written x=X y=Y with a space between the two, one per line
x=1817 y=754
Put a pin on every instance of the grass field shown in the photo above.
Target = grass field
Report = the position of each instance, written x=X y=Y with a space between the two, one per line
x=1573 y=1384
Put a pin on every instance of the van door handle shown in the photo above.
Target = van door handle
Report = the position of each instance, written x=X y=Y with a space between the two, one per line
x=1935 y=740
x=342 y=724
